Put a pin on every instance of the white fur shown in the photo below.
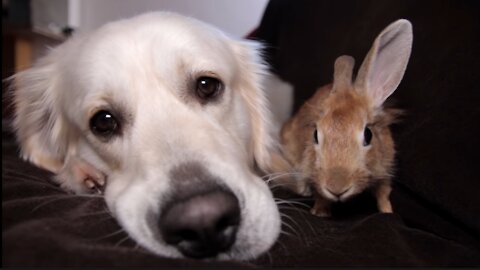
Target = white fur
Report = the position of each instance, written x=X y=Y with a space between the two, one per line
x=142 y=66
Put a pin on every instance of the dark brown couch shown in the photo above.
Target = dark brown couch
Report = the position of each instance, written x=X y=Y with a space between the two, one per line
x=436 y=189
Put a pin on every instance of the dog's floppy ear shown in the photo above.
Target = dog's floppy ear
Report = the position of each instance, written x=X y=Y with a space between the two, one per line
x=38 y=122
x=252 y=73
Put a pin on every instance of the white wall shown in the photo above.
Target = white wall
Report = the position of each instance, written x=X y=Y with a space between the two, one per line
x=50 y=16
x=237 y=17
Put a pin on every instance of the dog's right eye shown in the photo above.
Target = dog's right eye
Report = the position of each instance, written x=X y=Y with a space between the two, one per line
x=104 y=124
x=208 y=88
x=315 y=136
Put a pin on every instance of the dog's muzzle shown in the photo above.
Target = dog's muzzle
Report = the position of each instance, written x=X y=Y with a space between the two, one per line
x=202 y=217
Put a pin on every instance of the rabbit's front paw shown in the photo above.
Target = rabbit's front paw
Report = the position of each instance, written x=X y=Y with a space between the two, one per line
x=321 y=208
x=383 y=198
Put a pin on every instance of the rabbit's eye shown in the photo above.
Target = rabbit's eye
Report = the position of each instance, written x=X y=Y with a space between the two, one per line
x=367 y=136
x=315 y=136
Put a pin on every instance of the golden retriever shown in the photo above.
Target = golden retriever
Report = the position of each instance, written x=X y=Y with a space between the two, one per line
x=167 y=116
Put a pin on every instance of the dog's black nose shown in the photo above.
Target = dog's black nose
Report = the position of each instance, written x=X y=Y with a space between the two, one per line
x=201 y=225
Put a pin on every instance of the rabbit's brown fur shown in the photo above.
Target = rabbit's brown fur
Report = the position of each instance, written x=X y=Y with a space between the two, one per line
x=327 y=140
x=341 y=164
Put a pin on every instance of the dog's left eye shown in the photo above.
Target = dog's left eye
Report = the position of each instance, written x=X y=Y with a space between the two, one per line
x=104 y=124
x=208 y=88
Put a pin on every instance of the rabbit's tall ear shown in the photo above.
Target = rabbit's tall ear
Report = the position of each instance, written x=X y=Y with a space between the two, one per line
x=38 y=123
x=384 y=66
x=252 y=73
x=342 y=75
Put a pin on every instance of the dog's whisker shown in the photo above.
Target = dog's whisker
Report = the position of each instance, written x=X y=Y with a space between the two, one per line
x=298 y=236
x=268 y=254
x=290 y=173
x=294 y=224
x=13 y=173
x=104 y=218
x=307 y=221
x=282 y=245
x=303 y=212
x=119 y=231
x=296 y=199
x=283 y=232
x=300 y=211
x=56 y=198
x=102 y=212
x=89 y=196
x=110 y=217
x=108 y=214
x=122 y=240
x=279 y=174
x=291 y=203
x=278 y=185
x=272 y=178
x=283 y=215
x=279 y=180
x=107 y=210
x=297 y=206
x=287 y=207
x=291 y=200
x=295 y=233
x=136 y=247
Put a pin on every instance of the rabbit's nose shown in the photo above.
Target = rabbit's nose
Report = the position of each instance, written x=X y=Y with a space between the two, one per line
x=337 y=192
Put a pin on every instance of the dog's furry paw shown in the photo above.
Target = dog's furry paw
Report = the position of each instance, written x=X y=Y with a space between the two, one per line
x=81 y=177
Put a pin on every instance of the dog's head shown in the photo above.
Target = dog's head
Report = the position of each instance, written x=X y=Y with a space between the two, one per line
x=170 y=111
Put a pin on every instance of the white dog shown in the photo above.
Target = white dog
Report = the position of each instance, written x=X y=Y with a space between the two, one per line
x=168 y=113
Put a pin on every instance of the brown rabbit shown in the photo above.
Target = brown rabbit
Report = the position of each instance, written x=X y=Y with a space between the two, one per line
x=339 y=141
